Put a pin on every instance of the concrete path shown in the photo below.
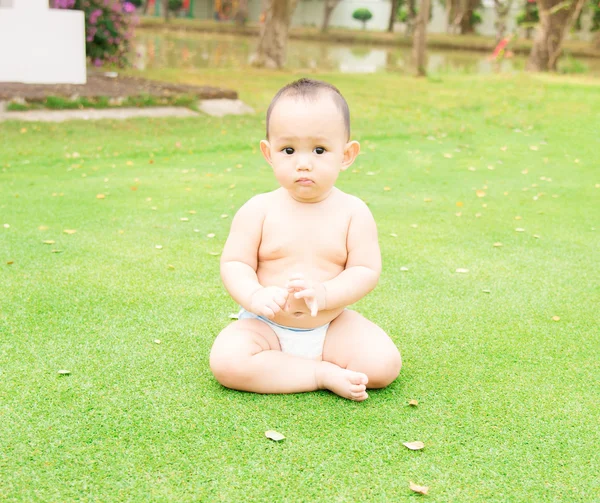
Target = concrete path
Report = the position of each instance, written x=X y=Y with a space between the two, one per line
x=217 y=108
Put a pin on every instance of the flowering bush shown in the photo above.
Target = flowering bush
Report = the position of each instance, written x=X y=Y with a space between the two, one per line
x=108 y=27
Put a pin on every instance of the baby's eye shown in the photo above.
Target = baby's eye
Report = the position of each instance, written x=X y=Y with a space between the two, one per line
x=319 y=150
x=288 y=150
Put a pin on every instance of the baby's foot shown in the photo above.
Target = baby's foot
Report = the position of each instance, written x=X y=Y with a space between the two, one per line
x=346 y=383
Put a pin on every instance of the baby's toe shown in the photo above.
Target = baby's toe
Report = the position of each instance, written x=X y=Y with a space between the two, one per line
x=357 y=388
x=359 y=378
x=360 y=396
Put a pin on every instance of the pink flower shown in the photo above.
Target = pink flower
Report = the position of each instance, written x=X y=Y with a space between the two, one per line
x=95 y=15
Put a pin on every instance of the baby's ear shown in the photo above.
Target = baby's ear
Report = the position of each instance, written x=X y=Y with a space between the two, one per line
x=265 y=148
x=351 y=150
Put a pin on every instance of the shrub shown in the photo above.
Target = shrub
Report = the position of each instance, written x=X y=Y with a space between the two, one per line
x=175 y=5
x=363 y=14
x=108 y=27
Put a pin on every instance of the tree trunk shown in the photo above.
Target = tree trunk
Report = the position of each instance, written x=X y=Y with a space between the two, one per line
x=272 y=42
x=412 y=16
x=596 y=42
x=459 y=14
x=420 y=37
x=502 y=11
x=393 y=15
x=146 y=5
x=165 y=8
x=556 y=17
x=329 y=6
x=241 y=14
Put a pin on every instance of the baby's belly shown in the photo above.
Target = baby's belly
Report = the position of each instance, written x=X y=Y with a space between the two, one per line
x=298 y=314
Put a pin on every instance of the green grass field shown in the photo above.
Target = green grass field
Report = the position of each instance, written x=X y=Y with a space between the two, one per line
x=508 y=398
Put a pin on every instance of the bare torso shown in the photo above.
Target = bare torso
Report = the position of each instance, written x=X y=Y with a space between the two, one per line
x=303 y=238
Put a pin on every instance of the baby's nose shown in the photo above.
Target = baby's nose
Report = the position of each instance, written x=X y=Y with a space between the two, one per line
x=304 y=163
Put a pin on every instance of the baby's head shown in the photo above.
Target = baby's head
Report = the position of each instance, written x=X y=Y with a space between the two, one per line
x=308 y=138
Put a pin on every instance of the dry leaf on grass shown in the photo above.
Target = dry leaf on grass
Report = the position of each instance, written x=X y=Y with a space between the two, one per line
x=64 y=372
x=480 y=193
x=274 y=435
x=100 y=196
x=413 y=402
x=556 y=318
x=497 y=245
x=414 y=446
x=418 y=489
x=49 y=242
x=462 y=271
x=69 y=231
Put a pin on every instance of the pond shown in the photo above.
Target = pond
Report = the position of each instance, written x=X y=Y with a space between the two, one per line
x=210 y=50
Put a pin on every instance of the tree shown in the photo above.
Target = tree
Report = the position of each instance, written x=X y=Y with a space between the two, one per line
x=502 y=8
x=241 y=14
x=363 y=14
x=272 y=42
x=556 y=17
x=460 y=15
x=393 y=15
x=419 y=40
x=329 y=6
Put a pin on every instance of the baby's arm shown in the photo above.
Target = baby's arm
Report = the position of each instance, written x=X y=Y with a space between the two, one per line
x=363 y=265
x=239 y=260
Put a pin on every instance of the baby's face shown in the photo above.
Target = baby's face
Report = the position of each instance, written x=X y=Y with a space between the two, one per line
x=307 y=146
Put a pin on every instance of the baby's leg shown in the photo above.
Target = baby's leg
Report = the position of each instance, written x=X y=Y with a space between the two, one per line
x=355 y=343
x=247 y=356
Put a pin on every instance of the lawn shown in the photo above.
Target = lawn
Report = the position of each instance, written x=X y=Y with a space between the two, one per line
x=131 y=301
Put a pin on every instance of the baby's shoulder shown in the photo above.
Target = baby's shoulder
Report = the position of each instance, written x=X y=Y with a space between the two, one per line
x=351 y=202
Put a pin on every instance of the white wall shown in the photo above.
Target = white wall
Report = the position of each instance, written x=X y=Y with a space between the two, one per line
x=39 y=45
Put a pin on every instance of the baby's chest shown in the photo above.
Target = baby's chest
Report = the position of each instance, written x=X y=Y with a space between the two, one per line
x=293 y=236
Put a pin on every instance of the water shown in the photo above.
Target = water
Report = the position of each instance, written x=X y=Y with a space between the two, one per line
x=209 y=50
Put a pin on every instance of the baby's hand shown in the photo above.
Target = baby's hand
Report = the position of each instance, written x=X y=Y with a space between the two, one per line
x=313 y=293
x=268 y=301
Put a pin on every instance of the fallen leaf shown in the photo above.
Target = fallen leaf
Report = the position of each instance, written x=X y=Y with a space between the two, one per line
x=448 y=156
x=158 y=247
x=233 y=316
x=472 y=168
x=418 y=489
x=404 y=269
x=224 y=215
x=486 y=291
x=192 y=212
x=536 y=236
x=43 y=228
x=413 y=402
x=214 y=254
x=387 y=188
x=414 y=226
x=503 y=149
x=171 y=267
x=56 y=251
x=134 y=188
x=458 y=214
x=211 y=235
x=462 y=271
x=480 y=193
x=129 y=163
x=427 y=199
x=49 y=242
x=274 y=435
x=491 y=168
x=533 y=147
x=394 y=235
x=518 y=218
x=519 y=229
x=524 y=172
x=10 y=262
x=459 y=204
x=64 y=372
x=23 y=130
x=184 y=219
x=156 y=341
x=100 y=196
x=556 y=318
x=414 y=446
x=497 y=245
x=69 y=231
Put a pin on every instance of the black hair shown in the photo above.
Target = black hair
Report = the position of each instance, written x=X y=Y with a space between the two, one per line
x=309 y=88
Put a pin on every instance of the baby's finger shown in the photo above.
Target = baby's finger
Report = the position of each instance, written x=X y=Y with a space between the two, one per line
x=309 y=293
x=296 y=283
x=273 y=307
x=268 y=313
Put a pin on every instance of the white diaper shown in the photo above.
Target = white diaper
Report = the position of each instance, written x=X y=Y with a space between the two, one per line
x=304 y=342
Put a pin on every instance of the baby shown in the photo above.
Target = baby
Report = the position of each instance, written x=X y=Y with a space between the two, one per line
x=297 y=256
